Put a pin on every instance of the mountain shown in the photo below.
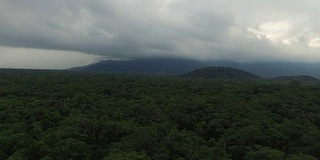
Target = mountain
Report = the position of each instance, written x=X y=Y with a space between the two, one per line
x=299 y=78
x=181 y=66
x=277 y=69
x=145 y=66
x=221 y=73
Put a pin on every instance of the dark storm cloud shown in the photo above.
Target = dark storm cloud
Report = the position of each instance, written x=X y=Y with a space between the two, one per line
x=113 y=28
x=216 y=29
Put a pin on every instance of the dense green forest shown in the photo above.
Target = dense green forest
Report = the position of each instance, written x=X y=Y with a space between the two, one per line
x=69 y=115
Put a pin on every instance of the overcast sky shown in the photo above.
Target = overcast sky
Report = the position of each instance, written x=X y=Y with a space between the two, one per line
x=66 y=33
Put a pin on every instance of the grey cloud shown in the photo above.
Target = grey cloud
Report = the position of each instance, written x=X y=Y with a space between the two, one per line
x=101 y=27
x=144 y=28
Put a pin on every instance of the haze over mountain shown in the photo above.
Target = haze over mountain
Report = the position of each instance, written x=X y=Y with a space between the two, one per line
x=63 y=34
x=181 y=66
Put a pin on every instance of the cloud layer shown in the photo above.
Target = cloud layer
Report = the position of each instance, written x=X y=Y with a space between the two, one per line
x=247 y=30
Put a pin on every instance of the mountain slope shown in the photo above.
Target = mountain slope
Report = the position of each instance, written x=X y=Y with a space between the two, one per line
x=145 y=66
x=221 y=73
x=299 y=78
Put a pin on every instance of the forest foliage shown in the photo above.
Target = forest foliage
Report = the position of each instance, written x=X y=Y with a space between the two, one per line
x=68 y=115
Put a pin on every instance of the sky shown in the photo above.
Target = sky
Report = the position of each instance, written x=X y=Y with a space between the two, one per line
x=57 y=34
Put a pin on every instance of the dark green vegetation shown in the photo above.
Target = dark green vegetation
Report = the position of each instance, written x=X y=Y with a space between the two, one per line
x=226 y=73
x=221 y=73
x=67 y=115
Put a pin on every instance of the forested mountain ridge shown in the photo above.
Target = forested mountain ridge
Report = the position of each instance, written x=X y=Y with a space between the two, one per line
x=75 y=115
x=221 y=73
x=299 y=78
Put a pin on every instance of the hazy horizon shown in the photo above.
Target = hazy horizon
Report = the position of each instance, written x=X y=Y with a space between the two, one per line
x=51 y=34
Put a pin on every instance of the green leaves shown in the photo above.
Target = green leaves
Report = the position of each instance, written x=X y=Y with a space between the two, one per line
x=265 y=153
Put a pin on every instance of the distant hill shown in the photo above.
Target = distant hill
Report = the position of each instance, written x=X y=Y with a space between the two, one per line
x=180 y=66
x=299 y=78
x=144 y=66
x=221 y=73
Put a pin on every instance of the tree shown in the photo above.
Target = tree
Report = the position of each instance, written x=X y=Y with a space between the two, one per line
x=265 y=153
